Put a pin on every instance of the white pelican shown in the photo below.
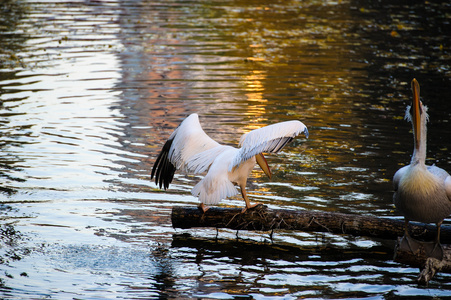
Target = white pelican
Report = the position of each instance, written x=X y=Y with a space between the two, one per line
x=190 y=149
x=422 y=193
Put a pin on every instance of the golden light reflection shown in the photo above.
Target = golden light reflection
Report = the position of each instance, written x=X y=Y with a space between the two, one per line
x=261 y=68
x=256 y=108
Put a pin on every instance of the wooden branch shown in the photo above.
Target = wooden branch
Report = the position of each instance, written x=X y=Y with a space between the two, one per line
x=264 y=219
x=429 y=266
x=432 y=266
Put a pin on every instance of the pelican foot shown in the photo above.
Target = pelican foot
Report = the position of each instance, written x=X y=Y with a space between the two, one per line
x=434 y=249
x=203 y=207
x=408 y=243
x=251 y=206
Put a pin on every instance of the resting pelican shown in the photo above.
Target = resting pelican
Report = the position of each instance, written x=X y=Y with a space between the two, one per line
x=190 y=149
x=422 y=193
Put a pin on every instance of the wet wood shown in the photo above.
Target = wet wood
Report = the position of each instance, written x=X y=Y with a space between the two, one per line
x=262 y=218
x=432 y=266
x=429 y=266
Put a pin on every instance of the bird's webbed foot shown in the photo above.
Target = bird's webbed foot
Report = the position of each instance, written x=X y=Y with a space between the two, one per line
x=250 y=206
x=203 y=207
x=408 y=243
x=434 y=249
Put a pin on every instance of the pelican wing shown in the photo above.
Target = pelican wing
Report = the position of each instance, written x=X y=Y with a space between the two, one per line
x=397 y=177
x=187 y=140
x=201 y=162
x=216 y=184
x=269 y=139
x=444 y=176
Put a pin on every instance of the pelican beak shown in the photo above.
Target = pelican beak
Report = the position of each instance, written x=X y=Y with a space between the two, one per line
x=306 y=132
x=417 y=110
x=261 y=160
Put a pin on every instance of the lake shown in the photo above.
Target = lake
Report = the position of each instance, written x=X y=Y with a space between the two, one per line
x=90 y=91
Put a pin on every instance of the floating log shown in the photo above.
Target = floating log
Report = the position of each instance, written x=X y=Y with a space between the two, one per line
x=261 y=218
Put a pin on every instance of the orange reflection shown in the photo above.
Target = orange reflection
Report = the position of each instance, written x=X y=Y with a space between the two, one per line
x=256 y=108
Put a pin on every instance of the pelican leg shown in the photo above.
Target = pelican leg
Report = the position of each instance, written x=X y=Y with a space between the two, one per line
x=437 y=239
x=437 y=248
x=408 y=243
x=433 y=249
x=203 y=207
x=246 y=199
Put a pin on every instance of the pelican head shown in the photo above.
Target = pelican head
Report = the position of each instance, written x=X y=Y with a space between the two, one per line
x=417 y=114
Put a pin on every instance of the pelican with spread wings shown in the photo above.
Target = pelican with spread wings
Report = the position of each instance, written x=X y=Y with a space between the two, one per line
x=190 y=149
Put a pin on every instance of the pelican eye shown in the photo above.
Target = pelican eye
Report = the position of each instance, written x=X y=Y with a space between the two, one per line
x=421 y=105
x=421 y=108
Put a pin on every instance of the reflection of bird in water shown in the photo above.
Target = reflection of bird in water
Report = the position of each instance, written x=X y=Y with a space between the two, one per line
x=190 y=149
x=422 y=193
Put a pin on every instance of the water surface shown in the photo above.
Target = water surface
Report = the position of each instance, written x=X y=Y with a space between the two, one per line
x=90 y=90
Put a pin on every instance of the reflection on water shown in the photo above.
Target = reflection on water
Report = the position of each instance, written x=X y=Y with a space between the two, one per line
x=90 y=90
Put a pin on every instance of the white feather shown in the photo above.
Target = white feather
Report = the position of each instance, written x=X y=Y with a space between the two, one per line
x=200 y=162
x=189 y=139
x=190 y=149
x=408 y=116
x=270 y=139
x=216 y=185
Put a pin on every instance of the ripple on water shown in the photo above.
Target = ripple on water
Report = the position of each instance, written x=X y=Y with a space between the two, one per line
x=90 y=90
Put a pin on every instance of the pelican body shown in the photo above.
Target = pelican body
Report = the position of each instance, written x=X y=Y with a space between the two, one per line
x=422 y=193
x=190 y=149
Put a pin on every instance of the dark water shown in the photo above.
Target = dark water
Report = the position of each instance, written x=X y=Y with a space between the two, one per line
x=90 y=90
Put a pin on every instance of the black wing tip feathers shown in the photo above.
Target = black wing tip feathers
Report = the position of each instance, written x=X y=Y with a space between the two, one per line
x=163 y=169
